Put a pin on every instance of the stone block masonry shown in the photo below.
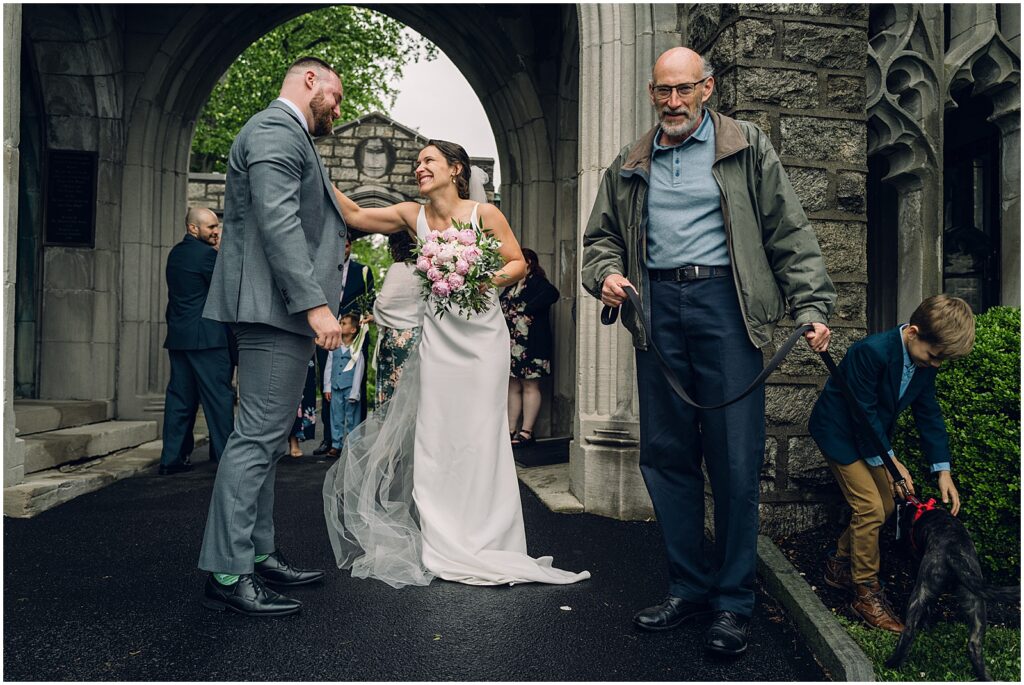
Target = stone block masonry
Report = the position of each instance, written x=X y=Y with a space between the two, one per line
x=372 y=159
x=798 y=72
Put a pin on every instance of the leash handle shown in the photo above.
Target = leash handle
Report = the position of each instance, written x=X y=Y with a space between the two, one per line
x=610 y=314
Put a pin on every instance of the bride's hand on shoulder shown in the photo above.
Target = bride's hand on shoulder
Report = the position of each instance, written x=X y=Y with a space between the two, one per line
x=496 y=224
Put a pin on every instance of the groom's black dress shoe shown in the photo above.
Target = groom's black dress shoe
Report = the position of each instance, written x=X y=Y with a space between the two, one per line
x=727 y=634
x=670 y=613
x=276 y=570
x=321 y=449
x=249 y=597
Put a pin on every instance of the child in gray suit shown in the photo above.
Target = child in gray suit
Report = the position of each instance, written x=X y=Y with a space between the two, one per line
x=346 y=383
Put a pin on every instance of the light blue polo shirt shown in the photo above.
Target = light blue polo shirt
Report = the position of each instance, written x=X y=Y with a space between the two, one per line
x=684 y=205
x=908 y=375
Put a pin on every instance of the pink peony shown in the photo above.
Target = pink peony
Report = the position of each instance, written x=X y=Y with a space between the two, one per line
x=456 y=281
x=435 y=274
x=462 y=267
x=423 y=264
x=433 y=236
x=471 y=254
x=430 y=249
x=467 y=236
x=441 y=289
x=450 y=234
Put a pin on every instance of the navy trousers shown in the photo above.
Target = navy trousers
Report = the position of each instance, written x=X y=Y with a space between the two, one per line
x=197 y=376
x=698 y=326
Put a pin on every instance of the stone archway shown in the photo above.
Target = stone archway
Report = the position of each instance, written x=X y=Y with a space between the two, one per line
x=516 y=75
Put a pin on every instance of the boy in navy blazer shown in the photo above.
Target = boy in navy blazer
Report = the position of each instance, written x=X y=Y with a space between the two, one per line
x=886 y=373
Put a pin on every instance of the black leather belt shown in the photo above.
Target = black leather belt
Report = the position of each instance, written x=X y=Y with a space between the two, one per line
x=689 y=273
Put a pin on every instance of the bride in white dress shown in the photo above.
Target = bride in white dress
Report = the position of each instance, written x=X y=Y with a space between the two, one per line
x=442 y=441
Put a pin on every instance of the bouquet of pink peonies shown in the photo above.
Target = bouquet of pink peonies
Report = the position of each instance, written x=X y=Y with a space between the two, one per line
x=456 y=266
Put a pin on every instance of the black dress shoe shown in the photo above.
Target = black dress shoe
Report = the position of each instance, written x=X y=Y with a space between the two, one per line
x=248 y=597
x=321 y=449
x=170 y=469
x=727 y=634
x=276 y=570
x=670 y=613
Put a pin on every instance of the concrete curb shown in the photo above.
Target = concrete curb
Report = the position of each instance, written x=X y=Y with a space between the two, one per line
x=825 y=636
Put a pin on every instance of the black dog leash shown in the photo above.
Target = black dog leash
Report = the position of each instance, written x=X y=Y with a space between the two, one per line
x=610 y=314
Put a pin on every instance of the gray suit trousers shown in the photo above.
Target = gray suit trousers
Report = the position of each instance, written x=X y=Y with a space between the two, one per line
x=272 y=366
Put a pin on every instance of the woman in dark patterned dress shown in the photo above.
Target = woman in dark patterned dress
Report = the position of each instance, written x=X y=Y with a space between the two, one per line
x=526 y=306
x=304 y=427
x=398 y=313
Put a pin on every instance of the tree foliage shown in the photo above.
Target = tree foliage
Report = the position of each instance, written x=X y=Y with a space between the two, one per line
x=368 y=49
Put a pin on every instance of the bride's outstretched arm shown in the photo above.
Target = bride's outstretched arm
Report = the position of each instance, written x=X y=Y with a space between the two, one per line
x=377 y=219
x=515 y=264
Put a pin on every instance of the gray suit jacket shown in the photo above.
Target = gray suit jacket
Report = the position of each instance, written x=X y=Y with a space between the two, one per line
x=283 y=241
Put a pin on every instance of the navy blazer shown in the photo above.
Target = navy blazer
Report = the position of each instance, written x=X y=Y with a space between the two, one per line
x=873 y=368
x=354 y=286
x=189 y=270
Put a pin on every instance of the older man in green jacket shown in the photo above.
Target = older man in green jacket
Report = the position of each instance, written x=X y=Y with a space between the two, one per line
x=699 y=216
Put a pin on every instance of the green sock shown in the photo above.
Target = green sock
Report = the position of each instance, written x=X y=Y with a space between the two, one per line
x=225 y=578
x=261 y=557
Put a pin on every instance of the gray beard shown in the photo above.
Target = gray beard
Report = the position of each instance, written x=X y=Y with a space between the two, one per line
x=686 y=128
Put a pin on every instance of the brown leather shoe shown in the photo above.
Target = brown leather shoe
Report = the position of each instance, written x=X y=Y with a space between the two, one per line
x=872 y=606
x=837 y=572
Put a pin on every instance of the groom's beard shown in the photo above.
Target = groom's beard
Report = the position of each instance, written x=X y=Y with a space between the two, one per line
x=323 y=119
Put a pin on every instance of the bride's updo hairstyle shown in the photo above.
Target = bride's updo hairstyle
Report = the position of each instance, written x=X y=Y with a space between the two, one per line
x=455 y=154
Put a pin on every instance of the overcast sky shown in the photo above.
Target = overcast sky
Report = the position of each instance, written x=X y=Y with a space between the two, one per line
x=457 y=116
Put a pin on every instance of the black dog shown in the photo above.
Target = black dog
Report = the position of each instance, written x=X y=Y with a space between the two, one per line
x=948 y=563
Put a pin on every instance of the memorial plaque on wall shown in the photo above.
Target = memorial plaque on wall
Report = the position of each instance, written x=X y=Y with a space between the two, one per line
x=70 y=198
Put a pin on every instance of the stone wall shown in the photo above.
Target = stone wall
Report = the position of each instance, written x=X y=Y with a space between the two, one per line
x=13 y=448
x=798 y=72
x=76 y=56
x=371 y=159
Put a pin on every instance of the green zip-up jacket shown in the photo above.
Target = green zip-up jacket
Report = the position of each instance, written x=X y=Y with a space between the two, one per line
x=776 y=261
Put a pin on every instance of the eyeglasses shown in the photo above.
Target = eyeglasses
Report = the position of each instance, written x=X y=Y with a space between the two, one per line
x=684 y=89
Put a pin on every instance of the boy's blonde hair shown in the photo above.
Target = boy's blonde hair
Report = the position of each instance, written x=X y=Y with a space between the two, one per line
x=947 y=323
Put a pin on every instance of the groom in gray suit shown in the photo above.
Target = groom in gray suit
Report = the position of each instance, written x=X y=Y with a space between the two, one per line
x=277 y=277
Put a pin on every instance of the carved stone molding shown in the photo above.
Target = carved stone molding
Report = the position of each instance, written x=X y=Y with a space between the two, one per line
x=903 y=89
x=980 y=58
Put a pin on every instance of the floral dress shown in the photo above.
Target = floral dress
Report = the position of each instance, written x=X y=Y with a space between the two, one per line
x=395 y=346
x=526 y=306
x=304 y=427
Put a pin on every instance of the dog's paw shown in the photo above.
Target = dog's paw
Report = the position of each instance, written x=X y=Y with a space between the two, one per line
x=894 y=663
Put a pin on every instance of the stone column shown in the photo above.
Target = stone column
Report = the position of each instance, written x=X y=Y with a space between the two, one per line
x=618 y=46
x=1009 y=193
x=14 y=458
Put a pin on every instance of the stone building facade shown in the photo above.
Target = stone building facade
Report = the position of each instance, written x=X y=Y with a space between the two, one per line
x=371 y=159
x=899 y=125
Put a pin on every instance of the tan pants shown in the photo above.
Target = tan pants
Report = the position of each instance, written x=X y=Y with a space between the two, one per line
x=866 y=489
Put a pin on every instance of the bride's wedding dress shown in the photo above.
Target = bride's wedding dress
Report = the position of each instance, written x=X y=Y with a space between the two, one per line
x=440 y=443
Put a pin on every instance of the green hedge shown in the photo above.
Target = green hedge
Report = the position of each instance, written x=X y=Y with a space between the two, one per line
x=980 y=400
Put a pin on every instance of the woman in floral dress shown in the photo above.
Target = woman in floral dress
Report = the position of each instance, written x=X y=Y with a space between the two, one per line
x=526 y=306
x=398 y=313
x=304 y=427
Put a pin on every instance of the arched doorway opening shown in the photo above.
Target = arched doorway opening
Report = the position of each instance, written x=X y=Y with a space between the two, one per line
x=971 y=182
x=525 y=75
